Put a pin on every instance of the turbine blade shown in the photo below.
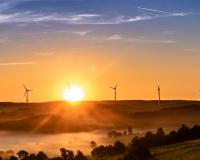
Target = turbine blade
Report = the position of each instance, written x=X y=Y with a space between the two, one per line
x=69 y=85
x=25 y=87
x=116 y=85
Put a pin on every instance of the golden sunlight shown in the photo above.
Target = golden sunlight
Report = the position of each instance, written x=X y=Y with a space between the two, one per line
x=74 y=93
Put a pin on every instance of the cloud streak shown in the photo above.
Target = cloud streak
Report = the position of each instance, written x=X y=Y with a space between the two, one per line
x=114 y=37
x=170 y=14
x=82 y=33
x=17 y=63
x=139 y=40
x=86 y=18
x=153 y=10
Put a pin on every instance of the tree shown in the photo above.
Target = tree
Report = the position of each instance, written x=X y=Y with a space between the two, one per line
x=159 y=138
x=183 y=133
x=22 y=154
x=130 y=130
x=32 y=157
x=99 y=151
x=138 y=152
x=160 y=132
x=13 y=158
x=80 y=156
x=41 y=156
x=93 y=144
x=195 y=132
x=148 y=139
x=171 y=137
x=67 y=154
x=119 y=147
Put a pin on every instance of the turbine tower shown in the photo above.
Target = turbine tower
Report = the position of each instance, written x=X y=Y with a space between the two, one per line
x=26 y=93
x=158 y=95
x=69 y=86
x=115 y=92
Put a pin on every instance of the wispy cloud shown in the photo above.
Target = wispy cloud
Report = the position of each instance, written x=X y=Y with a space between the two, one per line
x=139 y=40
x=17 y=63
x=114 y=37
x=152 y=41
x=153 y=10
x=86 y=18
x=82 y=33
x=164 y=12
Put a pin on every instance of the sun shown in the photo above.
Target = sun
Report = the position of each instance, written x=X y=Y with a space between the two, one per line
x=74 y=94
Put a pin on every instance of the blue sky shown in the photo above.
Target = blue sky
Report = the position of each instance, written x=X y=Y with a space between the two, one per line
x=140 y=16
x=146 y=37
x=93 y=11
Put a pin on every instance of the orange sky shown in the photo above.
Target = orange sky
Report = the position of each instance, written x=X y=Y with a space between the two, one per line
x=97 y=68
x=96 y=44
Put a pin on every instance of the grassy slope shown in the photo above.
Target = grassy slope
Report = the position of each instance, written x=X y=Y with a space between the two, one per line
x=188 y=150
x=59 y=117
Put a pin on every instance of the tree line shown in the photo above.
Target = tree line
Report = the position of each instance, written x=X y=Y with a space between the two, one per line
x=137 y=149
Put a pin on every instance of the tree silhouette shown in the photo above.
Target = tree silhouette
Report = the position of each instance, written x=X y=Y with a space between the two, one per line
x=137 y=152
x=80 y=156
x=67 y=154
x=130 y=130
x=183 y=132
x=22 y=154
x=41 y=156
x=31 y=157
x=119 y=147
x=13 y=158
x=93 y=144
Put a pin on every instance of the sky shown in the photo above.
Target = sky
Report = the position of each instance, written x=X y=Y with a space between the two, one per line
x=139 y=44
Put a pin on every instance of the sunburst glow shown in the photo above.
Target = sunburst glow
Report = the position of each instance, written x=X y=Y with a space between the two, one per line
x=74 y=93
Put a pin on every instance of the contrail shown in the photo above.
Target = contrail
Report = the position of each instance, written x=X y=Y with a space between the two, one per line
x=153 y=10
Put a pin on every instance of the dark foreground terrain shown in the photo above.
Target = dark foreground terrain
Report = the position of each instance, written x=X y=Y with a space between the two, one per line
x=60 y=117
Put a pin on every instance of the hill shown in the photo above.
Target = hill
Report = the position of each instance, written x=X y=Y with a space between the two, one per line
x=188 y=150
x=59 y=117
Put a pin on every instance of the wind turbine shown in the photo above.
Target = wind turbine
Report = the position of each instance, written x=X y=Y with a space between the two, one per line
x=158 y=95
x=69 y=86
x=115 y=91
x=26 y=93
